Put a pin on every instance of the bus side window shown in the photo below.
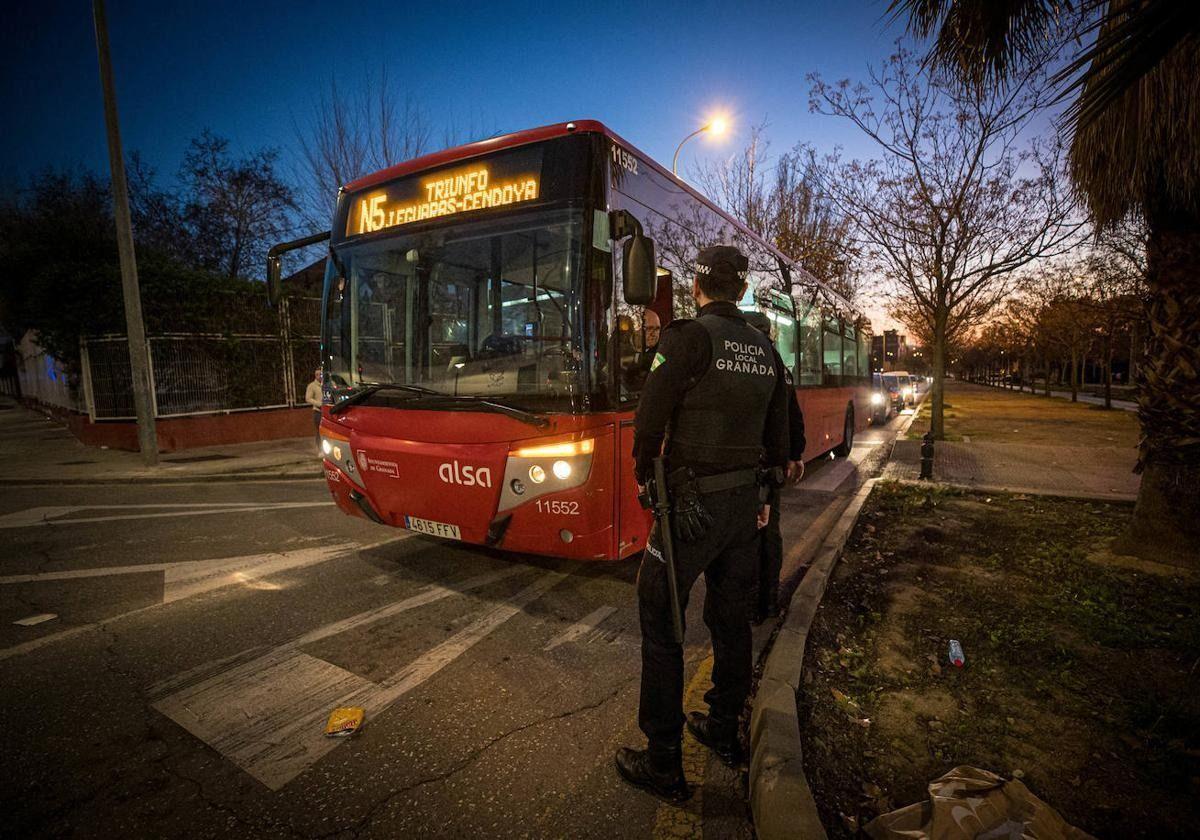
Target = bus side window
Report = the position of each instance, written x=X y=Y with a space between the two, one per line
x=832 y=364
x=809 y=362
x=785 y=339
x=864 y=353
x=849 y=351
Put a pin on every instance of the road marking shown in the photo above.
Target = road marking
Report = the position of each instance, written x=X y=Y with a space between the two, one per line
x=265 y=714
x=204 y=578
x=192 y=577
x=687 y=820
x=579 y=628
x=31 y=620
x=52 y=515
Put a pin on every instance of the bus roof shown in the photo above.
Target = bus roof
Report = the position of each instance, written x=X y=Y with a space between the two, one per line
x=549 y=132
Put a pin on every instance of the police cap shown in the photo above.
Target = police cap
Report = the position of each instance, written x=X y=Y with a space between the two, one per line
x=724 y=263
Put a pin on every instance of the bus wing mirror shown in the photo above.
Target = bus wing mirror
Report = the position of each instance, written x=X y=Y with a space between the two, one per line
x=638 y=270
x=275 y=263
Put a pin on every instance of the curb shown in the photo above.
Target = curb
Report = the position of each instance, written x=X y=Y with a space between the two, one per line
x=1115 y=498
x=780 y=799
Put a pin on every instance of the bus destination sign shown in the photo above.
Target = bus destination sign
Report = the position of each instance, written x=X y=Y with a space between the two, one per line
x=489 y=183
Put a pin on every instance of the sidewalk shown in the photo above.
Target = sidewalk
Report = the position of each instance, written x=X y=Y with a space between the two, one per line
x=1001 y=440
x=1051 y=470
x=38 y=450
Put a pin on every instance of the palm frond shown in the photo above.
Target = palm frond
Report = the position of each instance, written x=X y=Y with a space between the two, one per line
x=1134 y=38
x=981 y=39
x=1140 y=150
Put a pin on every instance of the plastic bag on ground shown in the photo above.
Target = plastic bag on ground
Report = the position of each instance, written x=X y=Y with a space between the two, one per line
x=972 y=804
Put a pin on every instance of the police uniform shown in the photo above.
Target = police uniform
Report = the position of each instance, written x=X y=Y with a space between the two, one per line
x=770 y=550
x=714 y=405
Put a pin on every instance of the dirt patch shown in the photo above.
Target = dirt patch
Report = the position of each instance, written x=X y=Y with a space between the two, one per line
x=1081 y=677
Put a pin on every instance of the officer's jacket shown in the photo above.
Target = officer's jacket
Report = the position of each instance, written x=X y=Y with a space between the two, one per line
x=716 y=392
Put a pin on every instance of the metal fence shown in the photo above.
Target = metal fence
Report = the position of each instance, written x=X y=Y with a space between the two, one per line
x=205 y=374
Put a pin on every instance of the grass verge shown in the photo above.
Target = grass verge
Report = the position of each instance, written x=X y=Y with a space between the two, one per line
x=998 y=416
x=1082 y=666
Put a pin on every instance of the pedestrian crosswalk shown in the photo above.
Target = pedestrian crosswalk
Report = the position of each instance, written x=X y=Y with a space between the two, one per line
x=264 y=709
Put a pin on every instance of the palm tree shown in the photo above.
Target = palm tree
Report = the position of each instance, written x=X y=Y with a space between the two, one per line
x=1134 y=129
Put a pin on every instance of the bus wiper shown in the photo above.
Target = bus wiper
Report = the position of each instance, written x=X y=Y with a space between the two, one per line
x=508 y=410
x=366 y=391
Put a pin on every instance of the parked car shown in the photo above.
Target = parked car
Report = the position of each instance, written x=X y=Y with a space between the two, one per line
x=882 y=404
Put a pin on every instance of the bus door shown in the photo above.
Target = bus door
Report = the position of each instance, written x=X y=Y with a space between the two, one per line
x=637 y=340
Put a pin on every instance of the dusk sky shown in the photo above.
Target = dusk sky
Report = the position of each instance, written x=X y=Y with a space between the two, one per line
x=250 y=70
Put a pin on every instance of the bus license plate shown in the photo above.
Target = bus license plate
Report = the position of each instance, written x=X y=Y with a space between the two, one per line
x=434 y=529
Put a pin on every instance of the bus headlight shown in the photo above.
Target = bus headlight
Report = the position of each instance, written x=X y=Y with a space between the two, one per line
x=876 y=398
x=549 y=468
x=337 y=452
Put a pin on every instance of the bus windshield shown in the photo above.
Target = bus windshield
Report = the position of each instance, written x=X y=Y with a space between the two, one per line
x=482 y=309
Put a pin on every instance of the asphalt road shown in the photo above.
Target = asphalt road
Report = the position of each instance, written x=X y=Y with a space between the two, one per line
x=202 y=632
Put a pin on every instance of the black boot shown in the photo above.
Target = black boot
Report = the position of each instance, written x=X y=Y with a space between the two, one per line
x=722 y=740
x=661 y=774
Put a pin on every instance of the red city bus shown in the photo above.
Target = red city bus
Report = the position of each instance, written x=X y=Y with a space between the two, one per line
x=482 y=358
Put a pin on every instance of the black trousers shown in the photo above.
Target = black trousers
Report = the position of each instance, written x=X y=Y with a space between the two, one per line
x=770 y=558
x=726 y=556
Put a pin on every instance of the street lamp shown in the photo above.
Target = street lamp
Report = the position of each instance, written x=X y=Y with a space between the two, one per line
x=716 y=125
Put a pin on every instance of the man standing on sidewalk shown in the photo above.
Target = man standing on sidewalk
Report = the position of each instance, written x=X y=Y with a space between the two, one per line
x=770 y=540
x=714 y=406
x=312 y=396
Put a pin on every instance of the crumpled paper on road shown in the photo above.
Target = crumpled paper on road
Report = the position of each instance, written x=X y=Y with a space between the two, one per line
x=972 y=804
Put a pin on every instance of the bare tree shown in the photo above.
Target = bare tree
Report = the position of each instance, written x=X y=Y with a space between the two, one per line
x=782 y=202
x=958 y=199
x=234 y=209
x=350 y=134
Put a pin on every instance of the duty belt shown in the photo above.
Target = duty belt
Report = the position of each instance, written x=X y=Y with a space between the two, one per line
x=705 y=484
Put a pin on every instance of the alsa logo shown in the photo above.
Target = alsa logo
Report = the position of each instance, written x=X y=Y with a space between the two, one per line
x=464 y=474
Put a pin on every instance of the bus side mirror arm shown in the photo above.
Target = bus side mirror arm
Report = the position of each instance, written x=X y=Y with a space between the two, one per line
x=638 y=266
x=275 y=263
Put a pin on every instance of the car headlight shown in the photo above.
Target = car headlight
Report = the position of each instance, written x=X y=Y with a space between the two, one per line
x=549 y=468
x=877 y=399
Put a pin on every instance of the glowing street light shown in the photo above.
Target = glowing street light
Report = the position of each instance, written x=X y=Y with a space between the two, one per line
x=716 y=126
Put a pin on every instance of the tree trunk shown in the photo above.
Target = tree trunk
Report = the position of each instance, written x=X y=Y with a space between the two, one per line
x=1108 y=363
x=1135 y=346
x=1074 y=376
x=937 y=423
x=1166 y=520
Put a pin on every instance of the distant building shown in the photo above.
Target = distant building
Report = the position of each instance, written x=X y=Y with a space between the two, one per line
x=889 y=351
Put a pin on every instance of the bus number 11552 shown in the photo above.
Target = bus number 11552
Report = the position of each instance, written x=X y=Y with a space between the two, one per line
x=561 y=508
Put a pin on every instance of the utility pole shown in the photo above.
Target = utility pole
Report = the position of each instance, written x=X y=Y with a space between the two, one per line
x=135 y=328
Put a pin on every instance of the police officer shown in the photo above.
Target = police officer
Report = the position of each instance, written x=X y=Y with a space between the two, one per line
x=714 y=405
x=770 y=548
